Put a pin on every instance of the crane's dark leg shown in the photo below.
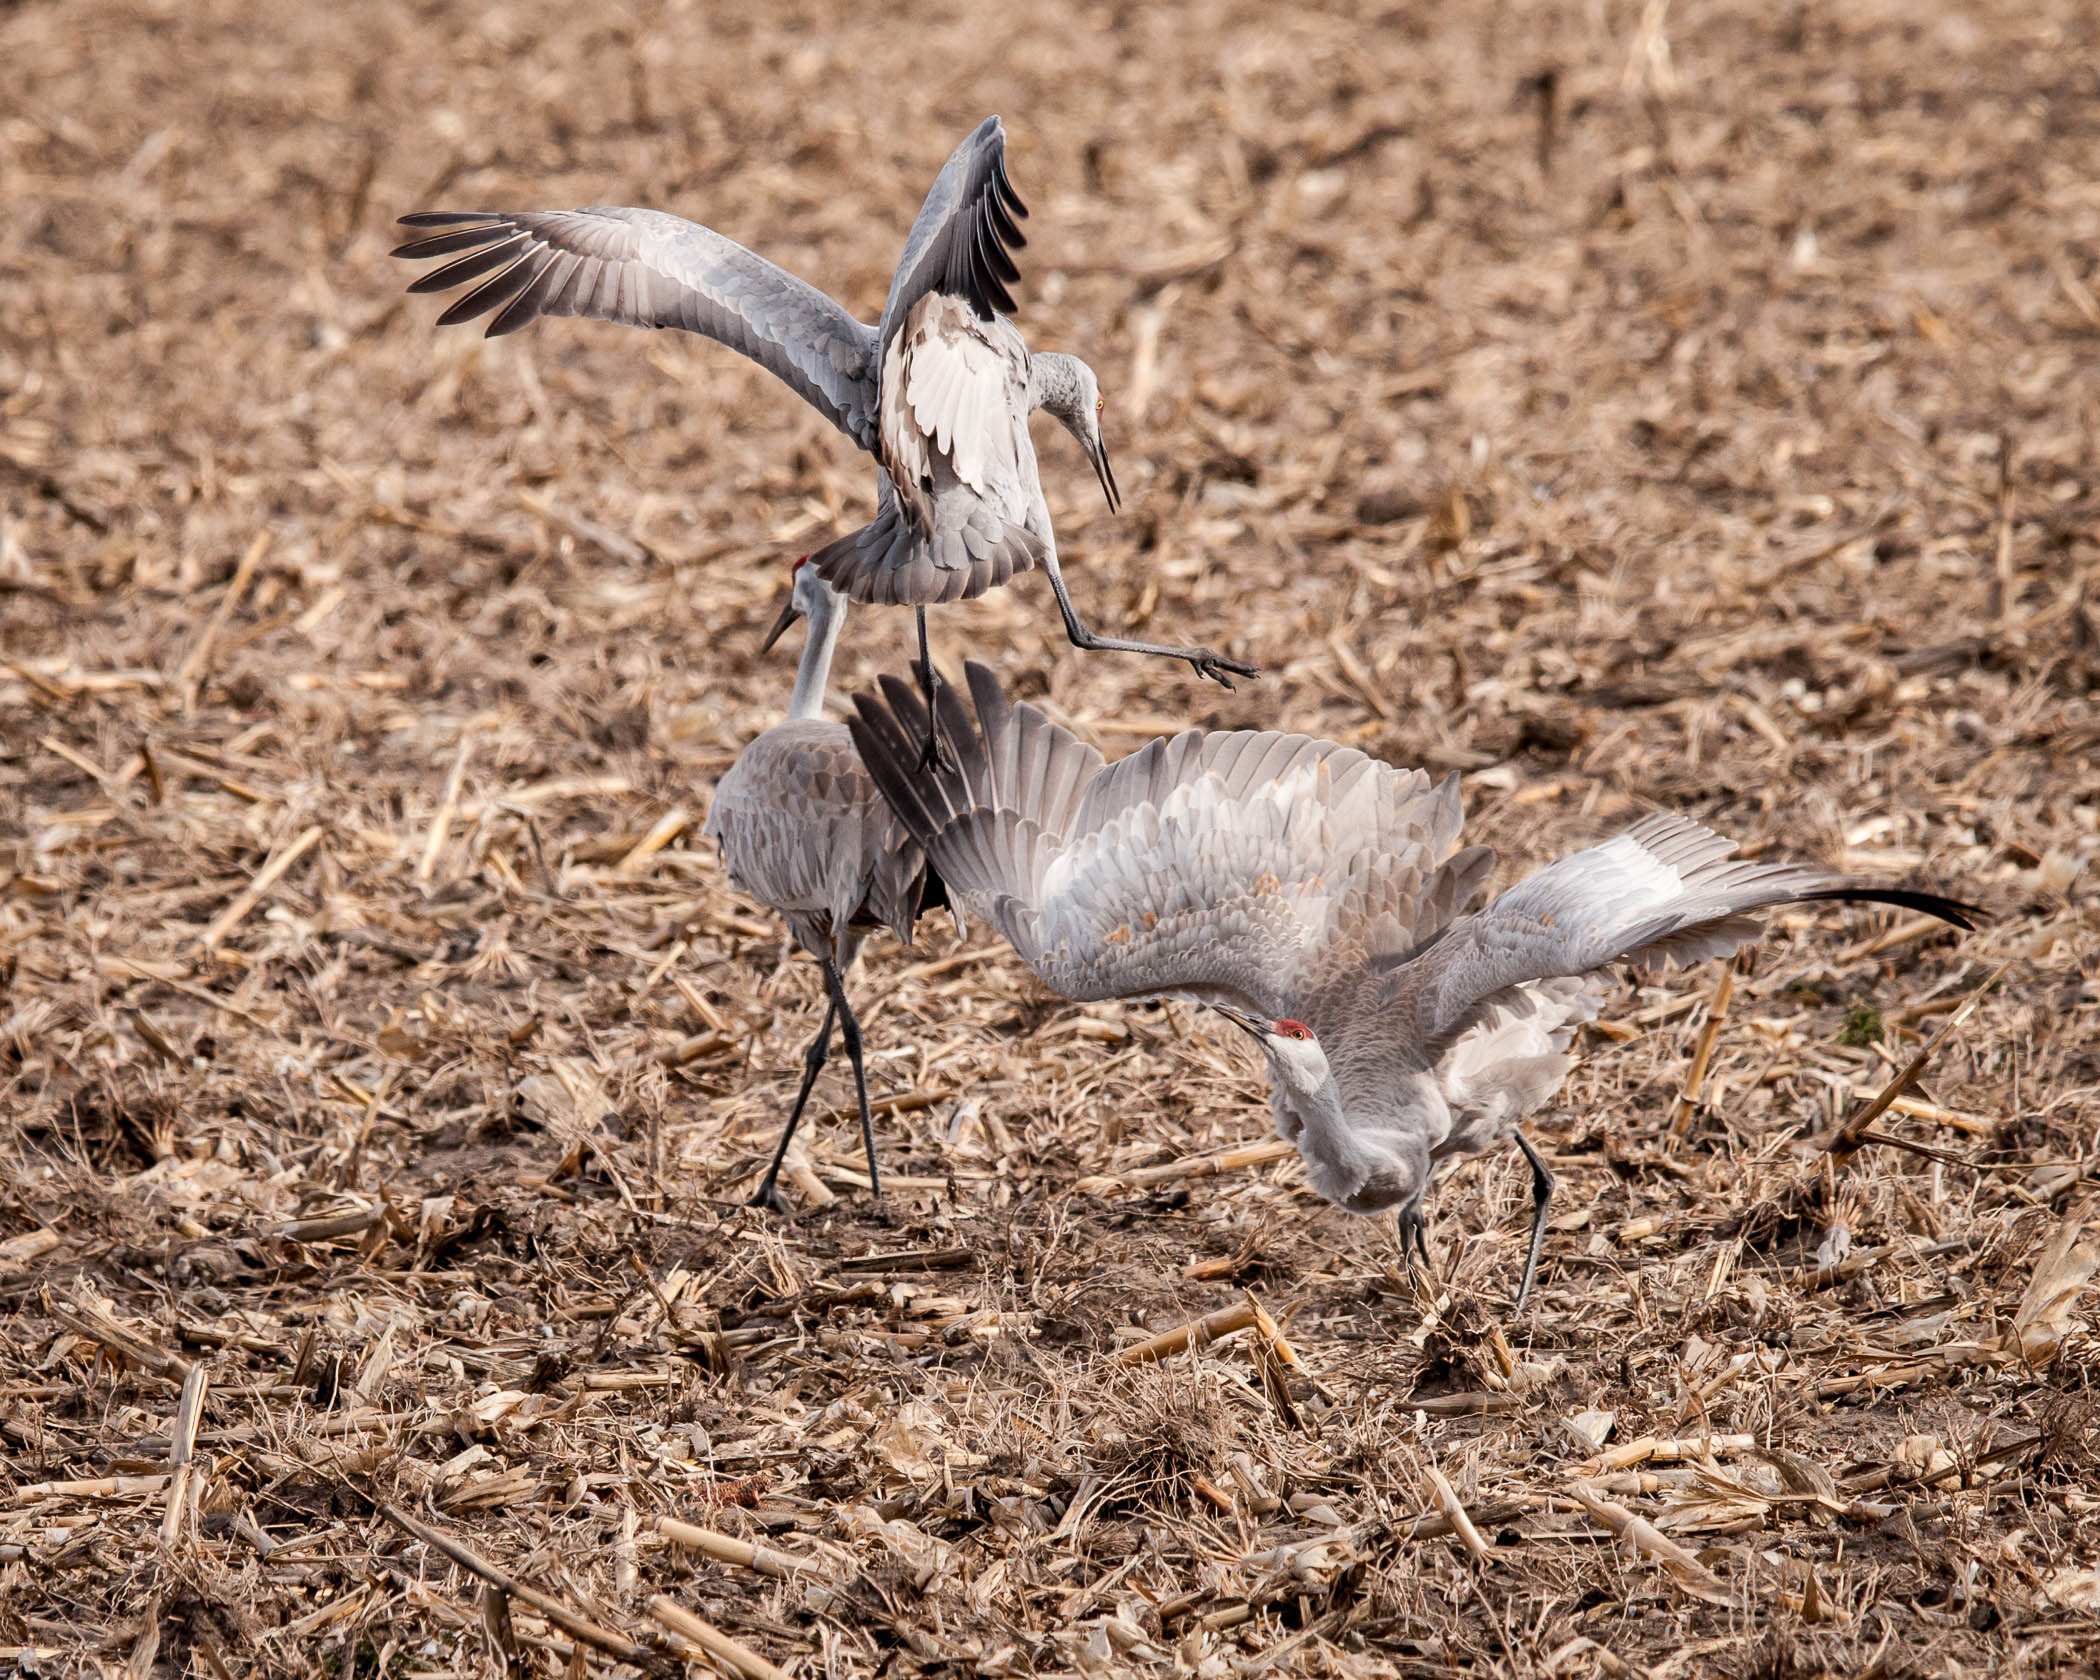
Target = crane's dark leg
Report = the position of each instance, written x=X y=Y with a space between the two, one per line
x=930 y=684
x=849 y=1029
x=1541 y=1196
x=1413 y=1242
x=812 y=1064
x=1202 y=660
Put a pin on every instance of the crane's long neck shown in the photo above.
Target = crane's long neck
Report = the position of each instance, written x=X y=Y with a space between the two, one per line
x=827 y=617
x=1363 y=1162
x=1054 y=385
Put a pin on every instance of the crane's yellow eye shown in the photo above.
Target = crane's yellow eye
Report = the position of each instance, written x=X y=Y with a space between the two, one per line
x=1100 y=403
x=1293 y=1029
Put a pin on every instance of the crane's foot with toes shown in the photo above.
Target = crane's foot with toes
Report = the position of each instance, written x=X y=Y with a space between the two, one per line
x=932 y=760
x=1414 y=1250
x=1219 y=669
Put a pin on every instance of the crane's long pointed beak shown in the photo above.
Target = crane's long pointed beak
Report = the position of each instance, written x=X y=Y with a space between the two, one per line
x=1247 y=1024
x=788 y=615
x=1106 y=473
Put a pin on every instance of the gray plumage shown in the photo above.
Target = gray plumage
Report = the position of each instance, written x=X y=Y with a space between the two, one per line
x=1317 y=898
x=939 y=391
x=803 y=830
x=647 y=268
x=959 y=504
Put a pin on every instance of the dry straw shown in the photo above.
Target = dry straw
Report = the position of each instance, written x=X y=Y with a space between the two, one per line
x=1624 y=407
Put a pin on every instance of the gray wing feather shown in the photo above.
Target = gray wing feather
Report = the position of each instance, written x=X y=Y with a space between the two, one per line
x=646 y=268
x=960 y=240
x=991 y=839
x=1201 y=866
x=1666 y=890
x=1243 y=761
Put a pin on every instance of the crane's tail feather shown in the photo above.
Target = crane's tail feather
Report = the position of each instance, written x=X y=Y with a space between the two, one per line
x=891 y=562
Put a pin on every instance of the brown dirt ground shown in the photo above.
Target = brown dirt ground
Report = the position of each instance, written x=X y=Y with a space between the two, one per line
x=1624 y=406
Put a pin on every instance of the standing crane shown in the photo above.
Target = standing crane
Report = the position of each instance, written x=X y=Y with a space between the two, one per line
x=939 y=391
x=1316 y=898
x=803 y=831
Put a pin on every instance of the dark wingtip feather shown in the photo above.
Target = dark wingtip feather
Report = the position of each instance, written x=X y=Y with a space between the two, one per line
x=491 y=294
x=970 y=777
x=444 y=244
x=445 y=218
x=883 y=751
x=1950 y=910
x=906 y=704
x=470 y=267
x=1005 y=187
x=1003 y=225
x=976 y=269
x=543 y=289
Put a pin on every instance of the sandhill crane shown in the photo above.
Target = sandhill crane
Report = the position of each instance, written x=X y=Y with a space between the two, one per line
x=803 y=831
x=1316 y=897
x=939 y=391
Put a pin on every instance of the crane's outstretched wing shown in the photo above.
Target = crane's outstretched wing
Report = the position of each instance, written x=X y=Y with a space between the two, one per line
x=646 y=268
x=960 y=241
x=1666 y=890
x=1205 y=866
x=999 y=812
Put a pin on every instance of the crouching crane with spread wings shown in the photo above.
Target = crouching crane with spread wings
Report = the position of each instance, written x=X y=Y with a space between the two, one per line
x=1317 y=897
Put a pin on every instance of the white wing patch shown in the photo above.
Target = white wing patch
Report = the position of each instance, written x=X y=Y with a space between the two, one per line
x=1509 y=1064
x=1613 y=886
x=950 y=397
x=1626 y=877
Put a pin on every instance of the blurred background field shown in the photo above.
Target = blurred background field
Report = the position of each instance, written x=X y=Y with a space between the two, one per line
x=1622 y=405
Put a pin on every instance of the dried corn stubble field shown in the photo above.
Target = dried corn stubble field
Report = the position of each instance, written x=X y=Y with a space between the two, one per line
x=1624 y=408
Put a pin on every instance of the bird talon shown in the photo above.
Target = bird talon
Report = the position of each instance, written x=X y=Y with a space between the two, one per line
x=768 y=1196
x=1216 y=667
